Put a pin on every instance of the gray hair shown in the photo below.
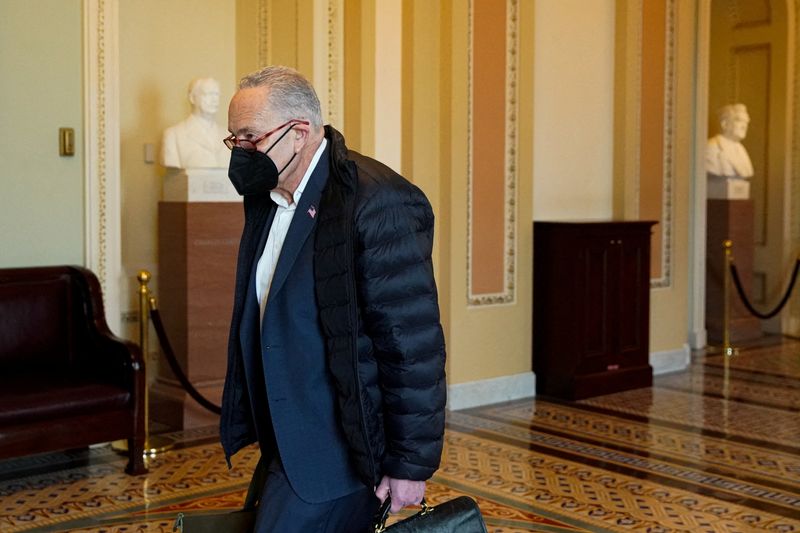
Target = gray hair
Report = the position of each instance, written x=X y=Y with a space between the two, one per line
x=290 y=94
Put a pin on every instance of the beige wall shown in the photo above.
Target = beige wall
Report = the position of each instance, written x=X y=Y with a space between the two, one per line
x=42 y=198
x=388 y=82
x=583 y=144
x=248 y=45
x=421 y=118
x=163 y=46
x=573 y=105
x=484 y=341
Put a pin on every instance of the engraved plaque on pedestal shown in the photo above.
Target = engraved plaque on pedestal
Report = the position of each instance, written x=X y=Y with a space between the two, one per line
x=199 y=185
x=729 y=219
x=728 y=188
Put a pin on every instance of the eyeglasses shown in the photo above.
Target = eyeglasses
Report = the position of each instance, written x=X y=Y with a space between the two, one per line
x=250 y=146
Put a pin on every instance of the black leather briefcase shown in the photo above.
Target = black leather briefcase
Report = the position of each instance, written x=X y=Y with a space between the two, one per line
x=459 y=515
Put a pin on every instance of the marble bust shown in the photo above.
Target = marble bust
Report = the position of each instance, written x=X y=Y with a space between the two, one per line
x=725 y=154
x=728 y=164
x=196 y=142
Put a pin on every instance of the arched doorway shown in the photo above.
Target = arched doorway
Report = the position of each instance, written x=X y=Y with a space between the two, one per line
x=745 y=54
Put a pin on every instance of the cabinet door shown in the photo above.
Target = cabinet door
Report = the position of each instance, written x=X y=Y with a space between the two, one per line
x=599 y=257
x=633 y=299
x=615 y=300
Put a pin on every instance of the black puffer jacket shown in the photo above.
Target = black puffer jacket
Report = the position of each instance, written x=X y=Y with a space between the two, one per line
x=379 y=313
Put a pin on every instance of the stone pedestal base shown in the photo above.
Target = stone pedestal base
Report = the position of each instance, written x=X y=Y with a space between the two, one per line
x=171 y=406
x=198 y=247
x=199 y=185
x=722 y=188
x=729 y=219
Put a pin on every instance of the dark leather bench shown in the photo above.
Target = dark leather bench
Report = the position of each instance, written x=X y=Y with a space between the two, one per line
x=65 y=380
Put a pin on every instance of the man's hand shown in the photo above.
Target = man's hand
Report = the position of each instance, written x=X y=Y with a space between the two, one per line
x=404 y=492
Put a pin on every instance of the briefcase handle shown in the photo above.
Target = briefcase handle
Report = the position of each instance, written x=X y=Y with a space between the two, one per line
x=383 y=513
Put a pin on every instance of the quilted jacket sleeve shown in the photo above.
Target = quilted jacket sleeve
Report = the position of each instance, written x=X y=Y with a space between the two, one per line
x=400 y=312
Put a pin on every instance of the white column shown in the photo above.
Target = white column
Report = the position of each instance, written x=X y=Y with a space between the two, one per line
x=697 y=222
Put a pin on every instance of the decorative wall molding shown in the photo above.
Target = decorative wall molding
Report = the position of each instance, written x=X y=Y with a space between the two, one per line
x=628 y=152
x=335 y=51
x=739 y=21
x=102 y=233
x=264 y=17
x=489 y=391
x=507 y=296
x=665 y=280
x=632 y=198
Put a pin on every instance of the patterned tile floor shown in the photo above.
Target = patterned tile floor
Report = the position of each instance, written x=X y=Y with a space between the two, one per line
x=713 y=448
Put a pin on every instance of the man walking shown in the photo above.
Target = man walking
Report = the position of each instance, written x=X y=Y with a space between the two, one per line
x=336 y=352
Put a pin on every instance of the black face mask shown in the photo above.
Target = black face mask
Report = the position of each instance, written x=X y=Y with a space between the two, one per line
x=255 y=172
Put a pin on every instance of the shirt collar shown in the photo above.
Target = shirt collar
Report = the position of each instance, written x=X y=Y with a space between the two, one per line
x=280 y=200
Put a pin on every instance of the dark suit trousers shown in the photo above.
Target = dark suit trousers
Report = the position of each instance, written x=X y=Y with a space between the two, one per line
x=282 y=511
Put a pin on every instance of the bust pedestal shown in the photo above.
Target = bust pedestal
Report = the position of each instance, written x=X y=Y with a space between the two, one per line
x=198 y=185
x=729 y=219
x=199 y=226
x=726 y=188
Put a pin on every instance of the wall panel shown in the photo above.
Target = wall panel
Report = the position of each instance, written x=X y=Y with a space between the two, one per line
x=652 y=129
x=492 y=151
x=751 y=70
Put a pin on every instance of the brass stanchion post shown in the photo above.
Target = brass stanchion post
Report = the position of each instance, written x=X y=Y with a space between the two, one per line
x=727 y=349
x=153 y=444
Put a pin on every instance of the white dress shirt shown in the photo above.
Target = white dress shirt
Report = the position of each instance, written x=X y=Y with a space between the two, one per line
x=277 y=232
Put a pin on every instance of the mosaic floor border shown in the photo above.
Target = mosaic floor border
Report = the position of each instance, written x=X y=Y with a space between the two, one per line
x=755 y=424
x=599 y=498
x=737 y=459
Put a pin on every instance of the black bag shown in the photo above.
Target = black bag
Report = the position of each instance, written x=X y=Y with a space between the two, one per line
x=235 y=522
x=459 y=515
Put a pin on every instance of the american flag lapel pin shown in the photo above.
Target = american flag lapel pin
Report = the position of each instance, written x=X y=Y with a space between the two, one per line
x=312 y=211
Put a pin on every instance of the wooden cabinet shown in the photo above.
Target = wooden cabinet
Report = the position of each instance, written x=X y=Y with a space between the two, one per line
x=591 y=307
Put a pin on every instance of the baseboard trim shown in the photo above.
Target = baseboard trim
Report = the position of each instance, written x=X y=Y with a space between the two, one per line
x=670 y=360
x=489 y=391
x=516 y=386
x=698 y=339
